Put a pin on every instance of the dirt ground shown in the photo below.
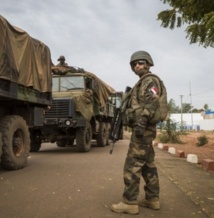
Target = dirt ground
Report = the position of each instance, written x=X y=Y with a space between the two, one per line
x=190 y=141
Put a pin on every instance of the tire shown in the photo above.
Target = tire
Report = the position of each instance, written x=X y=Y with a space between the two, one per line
x=15 y=141
x=35 y=144
x=102 y=135
x=83 y=138
x=71 y=142
x=61 y=143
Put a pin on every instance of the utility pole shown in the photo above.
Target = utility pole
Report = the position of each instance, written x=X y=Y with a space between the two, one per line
x=191 y=104
x=181 y=113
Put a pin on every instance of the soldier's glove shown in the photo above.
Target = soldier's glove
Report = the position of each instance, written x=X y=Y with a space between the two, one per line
x=139 y=131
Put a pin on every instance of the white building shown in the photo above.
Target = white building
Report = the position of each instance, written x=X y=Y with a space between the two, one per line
x=208 y=122
x=196 y=121
x=190 y=120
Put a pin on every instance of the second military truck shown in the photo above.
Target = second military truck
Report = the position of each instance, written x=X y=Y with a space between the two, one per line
x=82 y=109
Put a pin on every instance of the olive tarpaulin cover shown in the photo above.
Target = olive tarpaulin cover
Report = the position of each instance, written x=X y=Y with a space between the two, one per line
x=103 y=90
x=23 y=59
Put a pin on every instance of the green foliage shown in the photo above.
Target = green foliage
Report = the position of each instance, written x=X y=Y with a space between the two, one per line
x=206 y=107
x=186 y=108
x=195 y=110
x=198 y=15
x=202 y=140
x=170 y=135
x=173 y=137
x=172 y=107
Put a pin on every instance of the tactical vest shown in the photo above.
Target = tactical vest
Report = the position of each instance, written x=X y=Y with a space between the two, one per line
x=131 y=114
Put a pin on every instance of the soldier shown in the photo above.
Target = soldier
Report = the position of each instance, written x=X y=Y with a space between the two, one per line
x=141 y=106
x=61 y=60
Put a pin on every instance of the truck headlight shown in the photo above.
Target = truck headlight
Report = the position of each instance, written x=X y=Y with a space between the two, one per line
x=67 y=122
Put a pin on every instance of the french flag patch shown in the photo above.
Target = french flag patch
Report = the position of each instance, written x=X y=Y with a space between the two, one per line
x=154 y=90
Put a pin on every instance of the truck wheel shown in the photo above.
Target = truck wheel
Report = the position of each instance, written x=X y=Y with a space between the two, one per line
x=83 y=138
x=16 y=142
x=108 y=128
x=102 y=135
x=61 y=143
x=70 y=142
x=35 y=143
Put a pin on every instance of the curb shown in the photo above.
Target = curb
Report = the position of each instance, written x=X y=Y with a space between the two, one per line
x=207 y=164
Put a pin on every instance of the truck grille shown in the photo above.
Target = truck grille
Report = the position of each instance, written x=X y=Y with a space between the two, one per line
x=60 y=108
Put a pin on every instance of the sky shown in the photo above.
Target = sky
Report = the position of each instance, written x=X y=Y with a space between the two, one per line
x=100 y=36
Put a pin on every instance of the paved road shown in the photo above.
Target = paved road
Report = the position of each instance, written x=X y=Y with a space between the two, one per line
x=59 y=182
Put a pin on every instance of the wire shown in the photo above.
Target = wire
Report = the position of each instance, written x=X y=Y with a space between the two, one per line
x=203 y=92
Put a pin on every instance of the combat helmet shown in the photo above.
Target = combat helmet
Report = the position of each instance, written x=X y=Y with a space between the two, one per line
x=61 y=58
x=139 y=55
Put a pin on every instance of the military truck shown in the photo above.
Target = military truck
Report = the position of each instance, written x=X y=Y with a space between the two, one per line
x=25 y=92
x=82 y=110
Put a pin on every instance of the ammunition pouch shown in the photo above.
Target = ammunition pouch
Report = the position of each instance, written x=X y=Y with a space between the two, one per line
x=156 y=118
x=131 y=116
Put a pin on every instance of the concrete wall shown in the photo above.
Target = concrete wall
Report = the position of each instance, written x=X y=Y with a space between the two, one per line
x=207 y=124
x=190 y=121
x=196 y=121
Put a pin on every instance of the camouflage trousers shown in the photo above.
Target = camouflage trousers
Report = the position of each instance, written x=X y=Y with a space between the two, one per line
x=140 y=162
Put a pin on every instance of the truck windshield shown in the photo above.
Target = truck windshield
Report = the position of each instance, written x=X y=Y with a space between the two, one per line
x=66 y=83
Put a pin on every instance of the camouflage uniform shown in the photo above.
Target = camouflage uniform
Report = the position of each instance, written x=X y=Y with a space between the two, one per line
x=140 y=158
x=141 y=110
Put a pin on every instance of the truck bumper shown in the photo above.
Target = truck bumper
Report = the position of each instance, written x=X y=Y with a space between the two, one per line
x=65 y=122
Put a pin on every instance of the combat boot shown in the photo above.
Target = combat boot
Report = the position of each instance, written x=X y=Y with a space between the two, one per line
x=125 y=208
x=152 y=204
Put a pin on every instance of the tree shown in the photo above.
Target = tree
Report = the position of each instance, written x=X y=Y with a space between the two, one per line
x=186 y=107
x=172 y=107
x=195 y=110
x=198 y=15
x=206 y=107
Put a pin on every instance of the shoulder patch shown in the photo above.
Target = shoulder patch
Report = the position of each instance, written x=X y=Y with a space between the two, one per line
x=153 y=90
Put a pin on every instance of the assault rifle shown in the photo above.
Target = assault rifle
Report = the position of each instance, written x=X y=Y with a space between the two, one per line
x=117 y=125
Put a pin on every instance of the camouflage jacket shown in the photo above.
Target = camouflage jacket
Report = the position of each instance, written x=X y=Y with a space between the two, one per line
x=142 y=101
